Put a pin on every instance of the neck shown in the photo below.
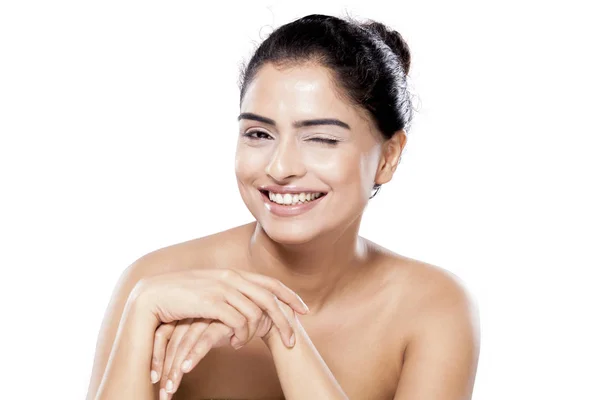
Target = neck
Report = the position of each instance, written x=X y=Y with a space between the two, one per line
x=316 y=270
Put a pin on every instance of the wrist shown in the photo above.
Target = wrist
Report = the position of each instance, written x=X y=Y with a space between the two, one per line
x=139 y=308
x=273 y=337
x=272 y=334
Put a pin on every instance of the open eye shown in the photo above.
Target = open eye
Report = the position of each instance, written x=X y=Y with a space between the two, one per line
x=257 y=137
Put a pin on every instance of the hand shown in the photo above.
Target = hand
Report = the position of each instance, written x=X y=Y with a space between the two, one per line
x=179 y=347
x=189 y=339
x=236 y=298
x=290 y=314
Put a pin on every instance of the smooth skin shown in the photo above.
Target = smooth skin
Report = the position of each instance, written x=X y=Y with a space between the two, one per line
x=246 y=303
x=180 y=347
x=380 y=325
x=237 y=298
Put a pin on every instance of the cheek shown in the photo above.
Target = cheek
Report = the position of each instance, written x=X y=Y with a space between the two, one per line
x=325 y=164
x=247 y=171
x=341 y=169
x=248 y=162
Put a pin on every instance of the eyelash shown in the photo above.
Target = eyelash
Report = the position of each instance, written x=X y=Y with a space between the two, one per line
x=331 y=142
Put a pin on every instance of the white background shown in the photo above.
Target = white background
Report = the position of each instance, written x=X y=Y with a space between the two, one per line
x=118 y=130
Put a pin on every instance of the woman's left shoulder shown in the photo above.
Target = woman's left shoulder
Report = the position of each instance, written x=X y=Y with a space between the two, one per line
x=422 y=283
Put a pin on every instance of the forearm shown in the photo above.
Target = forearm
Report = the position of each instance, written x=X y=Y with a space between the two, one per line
x=127 y=374
x=302 y=373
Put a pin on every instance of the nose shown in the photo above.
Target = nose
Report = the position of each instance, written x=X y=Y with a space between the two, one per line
x=286 y=161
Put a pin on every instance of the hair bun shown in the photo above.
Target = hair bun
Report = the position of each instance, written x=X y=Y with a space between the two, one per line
x=393 y=39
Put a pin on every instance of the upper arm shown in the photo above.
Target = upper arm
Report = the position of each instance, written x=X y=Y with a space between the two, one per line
x=112 y=316
x=440 y=361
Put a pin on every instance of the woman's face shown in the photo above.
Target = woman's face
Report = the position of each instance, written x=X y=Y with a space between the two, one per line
x=339 y=161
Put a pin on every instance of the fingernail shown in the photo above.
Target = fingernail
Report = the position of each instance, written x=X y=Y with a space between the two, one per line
x=292 y=340
x=163 y=394
x=304 y=304
x=169 y=386
x=154 y=376
x=237 y=347
x=186 y=365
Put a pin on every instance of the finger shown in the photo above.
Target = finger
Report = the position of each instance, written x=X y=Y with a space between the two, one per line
x=178 y=333
x=220 y=309
x=161 y=338
x=211 y=336
x=267 y=301
x=248 y=308
x=288 y=317
x=186 y=344
x=282 y=323
x=275 y=286
x=265 y=325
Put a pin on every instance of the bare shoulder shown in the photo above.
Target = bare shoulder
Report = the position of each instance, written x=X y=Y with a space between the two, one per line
x=426 y=283
x=437 y=317
x=423 y=290
x=204 y=252
x=209 y=251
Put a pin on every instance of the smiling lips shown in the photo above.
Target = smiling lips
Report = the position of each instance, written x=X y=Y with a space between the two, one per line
x=293 y=198
x=289 y=204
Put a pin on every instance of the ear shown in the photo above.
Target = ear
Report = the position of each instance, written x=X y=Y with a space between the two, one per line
x=390 y=157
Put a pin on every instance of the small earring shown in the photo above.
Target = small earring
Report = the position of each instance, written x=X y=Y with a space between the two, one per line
x=376 y=188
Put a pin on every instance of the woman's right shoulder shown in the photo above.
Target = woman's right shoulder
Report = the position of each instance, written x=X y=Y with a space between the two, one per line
x=210 y=251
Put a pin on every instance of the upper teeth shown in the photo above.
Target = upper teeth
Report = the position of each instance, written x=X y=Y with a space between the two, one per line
x=295 y=198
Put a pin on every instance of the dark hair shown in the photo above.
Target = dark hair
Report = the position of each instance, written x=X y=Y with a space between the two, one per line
x=369 y=62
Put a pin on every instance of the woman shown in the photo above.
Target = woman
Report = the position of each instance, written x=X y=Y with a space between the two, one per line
x=324 y=114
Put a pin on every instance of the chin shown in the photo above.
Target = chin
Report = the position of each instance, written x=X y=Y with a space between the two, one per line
x=290 y=232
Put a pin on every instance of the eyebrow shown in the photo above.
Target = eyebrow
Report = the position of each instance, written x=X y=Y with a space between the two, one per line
x=296 y=124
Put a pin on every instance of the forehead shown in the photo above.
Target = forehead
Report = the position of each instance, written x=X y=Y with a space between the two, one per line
x=306 y=90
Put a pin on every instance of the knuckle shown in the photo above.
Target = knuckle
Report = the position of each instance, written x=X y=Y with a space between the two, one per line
x=218 y=334
x=171 y=349
x=225 y=329
x=186 y=342
x=210 y=337
x=256 y=316
x=272 y=303
x=160 y=334
x=226 y=274
x=166 y=329
x=241 y=322
x=200 y=345
x=156 y=361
